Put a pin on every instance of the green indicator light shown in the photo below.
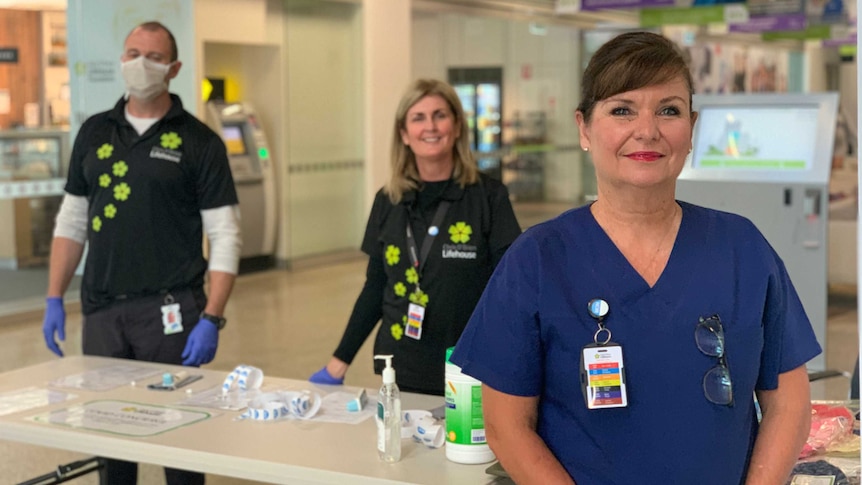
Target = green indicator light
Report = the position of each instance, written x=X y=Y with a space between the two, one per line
x=263 y=153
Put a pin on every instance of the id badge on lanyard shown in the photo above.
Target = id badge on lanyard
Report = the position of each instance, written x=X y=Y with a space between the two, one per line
x=416 y=311
x=415 y=316
x=602 y=369
x=172 y=317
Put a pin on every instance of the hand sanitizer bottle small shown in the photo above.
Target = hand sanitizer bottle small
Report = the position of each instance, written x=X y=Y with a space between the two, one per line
x=388 y=415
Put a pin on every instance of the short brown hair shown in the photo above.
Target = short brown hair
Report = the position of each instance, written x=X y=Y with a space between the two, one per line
x=154 y=26
x=405 y=175
x=631 y=61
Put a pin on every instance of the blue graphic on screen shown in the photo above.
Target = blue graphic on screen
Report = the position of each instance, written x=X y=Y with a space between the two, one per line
x=756 y=138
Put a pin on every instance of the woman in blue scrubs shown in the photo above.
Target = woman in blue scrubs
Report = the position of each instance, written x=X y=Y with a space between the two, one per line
x=624 y=341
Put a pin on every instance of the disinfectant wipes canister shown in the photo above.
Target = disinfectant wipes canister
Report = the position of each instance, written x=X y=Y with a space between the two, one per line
x=465 y=425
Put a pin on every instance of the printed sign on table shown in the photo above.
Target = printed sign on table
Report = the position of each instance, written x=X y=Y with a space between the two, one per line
x=122 y=418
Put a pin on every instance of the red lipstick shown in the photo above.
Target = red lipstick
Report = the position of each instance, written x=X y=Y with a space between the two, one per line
x=645 y=156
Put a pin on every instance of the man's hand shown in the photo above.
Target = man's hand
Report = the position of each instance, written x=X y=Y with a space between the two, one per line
x=202 y=344
x=54 y=323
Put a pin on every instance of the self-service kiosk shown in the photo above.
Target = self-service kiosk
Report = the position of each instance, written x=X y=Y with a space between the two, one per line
x=254 y=176
x=768 y=157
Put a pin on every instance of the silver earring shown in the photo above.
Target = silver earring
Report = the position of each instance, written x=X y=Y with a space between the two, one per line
x=586 y=149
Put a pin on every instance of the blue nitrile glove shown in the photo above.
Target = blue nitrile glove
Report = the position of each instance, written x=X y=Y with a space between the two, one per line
x=202 y=344
x=54 y=323
x=324 y=377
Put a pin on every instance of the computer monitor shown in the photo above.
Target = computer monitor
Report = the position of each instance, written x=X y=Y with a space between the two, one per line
x=234 y=140
x=763 y=138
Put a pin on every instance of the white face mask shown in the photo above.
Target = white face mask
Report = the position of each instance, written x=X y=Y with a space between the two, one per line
x=145 y=79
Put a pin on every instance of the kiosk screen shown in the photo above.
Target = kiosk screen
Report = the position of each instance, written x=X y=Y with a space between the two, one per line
x=773 y=138
x=234 y=140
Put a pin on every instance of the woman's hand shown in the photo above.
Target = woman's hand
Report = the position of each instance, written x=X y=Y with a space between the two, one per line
x=333 y=373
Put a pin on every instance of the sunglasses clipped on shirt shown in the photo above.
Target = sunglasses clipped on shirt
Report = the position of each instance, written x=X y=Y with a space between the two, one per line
x=709 y=337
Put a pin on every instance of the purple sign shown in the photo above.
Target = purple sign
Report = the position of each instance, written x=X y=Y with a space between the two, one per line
x=587 y=5
x=769 y=23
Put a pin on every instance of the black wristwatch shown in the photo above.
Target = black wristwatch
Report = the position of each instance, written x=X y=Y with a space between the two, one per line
x=219 y=322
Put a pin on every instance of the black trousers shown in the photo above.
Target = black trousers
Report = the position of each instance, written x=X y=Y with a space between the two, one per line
x=119 y=472
x=133 y=329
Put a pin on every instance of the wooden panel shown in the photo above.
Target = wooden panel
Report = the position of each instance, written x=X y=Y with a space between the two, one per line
x=23 y=233
x=7 y=237
x=21 y=29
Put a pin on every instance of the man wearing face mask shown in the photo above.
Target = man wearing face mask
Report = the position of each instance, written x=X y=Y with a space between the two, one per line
x=146 y=181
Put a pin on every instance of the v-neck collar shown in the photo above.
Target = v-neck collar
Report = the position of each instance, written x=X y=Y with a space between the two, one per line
x=622 y=278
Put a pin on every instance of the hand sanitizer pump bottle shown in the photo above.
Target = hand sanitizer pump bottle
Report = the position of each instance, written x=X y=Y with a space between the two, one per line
x=388 y=415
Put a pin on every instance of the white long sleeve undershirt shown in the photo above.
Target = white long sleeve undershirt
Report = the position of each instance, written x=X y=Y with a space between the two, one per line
x=221 y=226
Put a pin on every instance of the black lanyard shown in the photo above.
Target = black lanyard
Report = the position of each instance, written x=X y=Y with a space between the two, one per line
x=419 y=259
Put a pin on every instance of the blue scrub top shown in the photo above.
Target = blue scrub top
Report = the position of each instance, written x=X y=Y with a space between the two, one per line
x=526 y=336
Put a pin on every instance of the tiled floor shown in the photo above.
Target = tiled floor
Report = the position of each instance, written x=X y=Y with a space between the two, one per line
x=288 y=323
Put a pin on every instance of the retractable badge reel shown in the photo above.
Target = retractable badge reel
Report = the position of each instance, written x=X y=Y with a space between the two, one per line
x=602 y=369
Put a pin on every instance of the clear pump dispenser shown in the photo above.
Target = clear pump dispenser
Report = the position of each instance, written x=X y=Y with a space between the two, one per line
x=388 y=415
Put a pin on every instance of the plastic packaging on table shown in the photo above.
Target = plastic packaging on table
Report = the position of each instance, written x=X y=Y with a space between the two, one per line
x=830 y=426
x=817 y=472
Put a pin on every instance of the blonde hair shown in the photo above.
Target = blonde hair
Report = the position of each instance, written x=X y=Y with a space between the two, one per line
x=405 y=174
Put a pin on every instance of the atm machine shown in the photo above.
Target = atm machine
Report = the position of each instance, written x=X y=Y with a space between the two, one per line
x=254 y=176
x=768 y=157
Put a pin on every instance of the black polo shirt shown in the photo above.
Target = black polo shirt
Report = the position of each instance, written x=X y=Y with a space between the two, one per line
x=145 y=194
x=477 y=229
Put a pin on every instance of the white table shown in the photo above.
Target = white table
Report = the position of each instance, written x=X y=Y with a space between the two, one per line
x=293 y=451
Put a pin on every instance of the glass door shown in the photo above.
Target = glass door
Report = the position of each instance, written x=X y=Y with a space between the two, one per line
x=481 y=93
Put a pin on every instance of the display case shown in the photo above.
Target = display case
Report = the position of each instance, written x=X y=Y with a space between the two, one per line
x=33 y=165
x=524 y=169
x=33 y=154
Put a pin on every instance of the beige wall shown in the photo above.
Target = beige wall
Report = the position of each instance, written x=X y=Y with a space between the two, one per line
x=327 y=109
x=387 y=70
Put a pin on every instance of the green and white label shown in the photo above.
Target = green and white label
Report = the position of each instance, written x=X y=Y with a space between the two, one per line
x=465 y=424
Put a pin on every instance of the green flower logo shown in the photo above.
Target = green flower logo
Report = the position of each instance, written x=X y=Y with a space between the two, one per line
x=393 y=255
x=110 y=211
x=104 y=180
x=122 y=191
x=105 y=151
x=412 y=276
x=419 y=297
x=400 y=289
x=171 y=140
x=97 y=223
x=120 y=169
x=460 y=232
x=397 y=331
